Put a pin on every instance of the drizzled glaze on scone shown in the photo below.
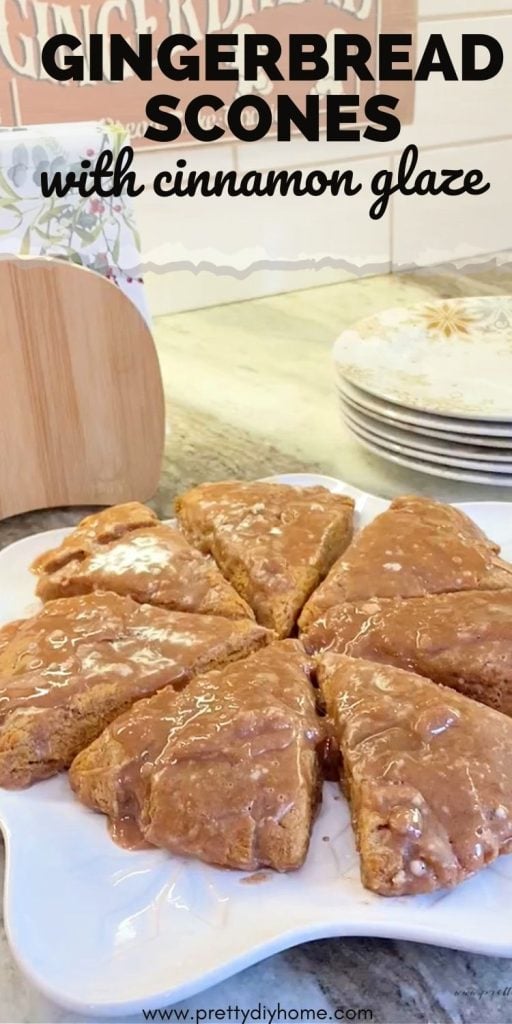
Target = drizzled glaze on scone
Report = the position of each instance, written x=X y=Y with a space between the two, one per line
x=416 y=547
x=226 y=771
x=461 y=640
x=274 y=543
x=128 y=551
x=428 y=774
x=67 y=672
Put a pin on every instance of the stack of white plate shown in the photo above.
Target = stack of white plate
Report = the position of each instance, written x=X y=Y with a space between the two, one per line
x=430 y=387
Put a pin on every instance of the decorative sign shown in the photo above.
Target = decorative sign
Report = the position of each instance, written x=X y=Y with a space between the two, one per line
x=29 y=96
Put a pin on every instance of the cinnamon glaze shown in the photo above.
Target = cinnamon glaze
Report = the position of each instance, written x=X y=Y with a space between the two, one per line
x=226 y=771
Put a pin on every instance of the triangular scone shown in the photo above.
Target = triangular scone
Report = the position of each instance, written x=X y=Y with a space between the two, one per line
x=69 y=670
x=274 y=543
x=225 y=771
x=462 y=640
x=428 y=773
x=127 y=550
x=416 y=547
x=100 y=528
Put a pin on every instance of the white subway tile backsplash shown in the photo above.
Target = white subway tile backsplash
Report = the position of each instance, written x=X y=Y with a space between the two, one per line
x=455 y=124
x=429 y=230
x=445 y=112
x=448 y=112
x=181 y=290
x=294 y=241
x=242 y=231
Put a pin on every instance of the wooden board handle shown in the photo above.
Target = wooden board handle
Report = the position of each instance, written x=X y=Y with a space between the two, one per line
x=81 y=400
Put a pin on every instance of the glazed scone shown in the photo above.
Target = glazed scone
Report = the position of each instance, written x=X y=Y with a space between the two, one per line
x=462 y=640
x=8 y=631
x=225 y=771
x=128 y=551
x=69 y=670
x=428 y=773
x=416 y=547
x=273 y=542
x=99 y=528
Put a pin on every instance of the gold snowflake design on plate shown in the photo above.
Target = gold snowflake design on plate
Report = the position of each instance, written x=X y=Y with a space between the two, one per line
x=451 y=357
x=449 y=319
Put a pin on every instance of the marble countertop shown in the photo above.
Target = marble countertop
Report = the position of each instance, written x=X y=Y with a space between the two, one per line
x=250 y=393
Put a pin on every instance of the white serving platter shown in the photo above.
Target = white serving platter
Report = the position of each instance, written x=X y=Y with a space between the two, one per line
x=104 y=931
x=452 y=357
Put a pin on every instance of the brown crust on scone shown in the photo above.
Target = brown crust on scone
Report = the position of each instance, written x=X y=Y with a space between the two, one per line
x=8 y=632
x=127 y=551
x=275 y=543
x=416 y=547
x=100 y=528
x=76 y=665
x=461 y=640
x=226 y=771
x=428 y=773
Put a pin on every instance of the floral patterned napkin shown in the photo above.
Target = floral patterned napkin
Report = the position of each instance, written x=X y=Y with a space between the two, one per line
x=96 y=233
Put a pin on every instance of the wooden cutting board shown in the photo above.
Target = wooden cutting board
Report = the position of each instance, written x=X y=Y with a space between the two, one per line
x=81 y=398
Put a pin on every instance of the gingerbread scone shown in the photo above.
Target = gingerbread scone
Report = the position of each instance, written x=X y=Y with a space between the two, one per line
x=226 y=771
x=127 y=550
x=99 y=528
x=8 y=631
x=69 y=670
x=461 y=640
x=273 y=542
x=416 y=547
x=428 y=773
